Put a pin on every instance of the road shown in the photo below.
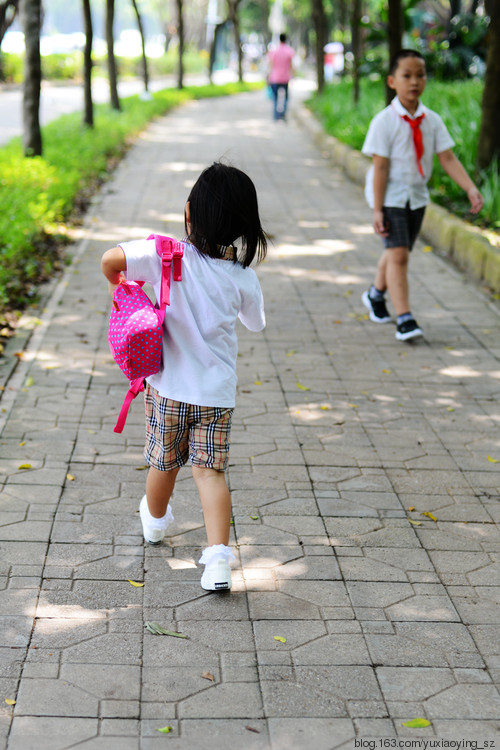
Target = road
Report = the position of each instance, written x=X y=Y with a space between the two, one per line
x=57 y=100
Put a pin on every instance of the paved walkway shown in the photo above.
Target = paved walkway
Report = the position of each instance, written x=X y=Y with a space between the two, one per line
x=363 y=477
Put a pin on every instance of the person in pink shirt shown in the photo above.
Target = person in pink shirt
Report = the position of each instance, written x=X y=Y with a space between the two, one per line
x=280 y=60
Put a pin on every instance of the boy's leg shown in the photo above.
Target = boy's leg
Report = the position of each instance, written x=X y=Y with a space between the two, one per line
x=392 y=274
x=159 y=488
x=215 y=502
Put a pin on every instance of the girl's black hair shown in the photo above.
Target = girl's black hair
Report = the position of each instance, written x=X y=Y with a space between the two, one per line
x=223 y=208
x=401 y=55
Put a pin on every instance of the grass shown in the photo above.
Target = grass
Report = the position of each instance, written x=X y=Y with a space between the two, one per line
x=39 y=194
x=458 y=103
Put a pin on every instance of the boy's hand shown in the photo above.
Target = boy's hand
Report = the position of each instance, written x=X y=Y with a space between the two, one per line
x=379 y=223
x=476 y=199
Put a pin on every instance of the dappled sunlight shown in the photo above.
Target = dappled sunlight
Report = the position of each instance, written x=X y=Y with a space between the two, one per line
x=361 y=229
x=460 y=371
x=318 y=248
x=312 y=412
x=328 y=277
x=68 y=616
x=175 y=563
x=182 y=166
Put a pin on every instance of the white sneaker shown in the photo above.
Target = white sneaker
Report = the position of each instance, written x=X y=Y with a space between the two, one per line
x=154 y=529
x=217 y=573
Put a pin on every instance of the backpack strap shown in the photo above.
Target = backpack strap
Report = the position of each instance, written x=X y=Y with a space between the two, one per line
x=136 y=386
x=170 y=252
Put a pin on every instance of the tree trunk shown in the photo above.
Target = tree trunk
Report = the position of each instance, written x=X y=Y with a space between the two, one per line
x=395 y=35
x=180 y=34
x=489 y=136
x=356 y=45
x=213 y=49
x=143 y=43
x=319 y=21
x=233 y=16
x=32 y=136
x=88 y=106
x=8 y=12
x=110 y=40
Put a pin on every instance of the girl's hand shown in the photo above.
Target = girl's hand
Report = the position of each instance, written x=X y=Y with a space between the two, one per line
x=379 y=223
x=112 y=287
x=476 y=199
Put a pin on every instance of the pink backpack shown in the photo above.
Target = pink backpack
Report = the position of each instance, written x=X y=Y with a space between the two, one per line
x=136 y=325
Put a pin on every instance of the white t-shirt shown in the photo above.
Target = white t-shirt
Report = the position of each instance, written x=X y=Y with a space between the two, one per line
x=391 y=136
x=200 y=345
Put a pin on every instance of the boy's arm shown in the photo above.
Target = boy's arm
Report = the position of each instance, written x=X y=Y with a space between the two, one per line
x=113 y=264
x=380 y=175
x=456 y=170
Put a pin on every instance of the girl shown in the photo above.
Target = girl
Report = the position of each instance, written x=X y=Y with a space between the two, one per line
x=190 y=401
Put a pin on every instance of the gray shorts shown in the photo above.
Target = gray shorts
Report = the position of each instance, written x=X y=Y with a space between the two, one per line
x=403 y=225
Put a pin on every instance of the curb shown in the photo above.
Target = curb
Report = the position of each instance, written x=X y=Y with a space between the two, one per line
x=467 y=246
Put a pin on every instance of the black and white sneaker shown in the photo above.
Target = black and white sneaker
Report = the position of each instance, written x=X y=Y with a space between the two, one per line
x=408 y=330
x=377 y=308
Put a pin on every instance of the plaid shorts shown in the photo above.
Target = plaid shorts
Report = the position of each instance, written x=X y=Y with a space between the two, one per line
x=178 y=432
x=403 y=224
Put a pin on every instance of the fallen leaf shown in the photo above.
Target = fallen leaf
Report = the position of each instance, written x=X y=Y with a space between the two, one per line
x=302 y=387
x=141 y=468
x=387 y=372
x=25 y=466
x=254 y=518
x=415 y=523
x=23 y=442
x=29 y=381
x=164 y=730
x=325 y=408
x=427 y=249
x=157 y=629
x=337 y=322
x=449 y=348
x=450 y=408
x=492 y=460
x=280 y=638
x=429 y=515
x=354 y=406
x=135 y=584
x=416 y=723
x=70 y=477
x=208 y=676
x=257 y=382
x=19 y=355
x=348 y=293
x=10 y=701
x=251 y=729
x=412 y=507
x=92 y=432
x=291 y=352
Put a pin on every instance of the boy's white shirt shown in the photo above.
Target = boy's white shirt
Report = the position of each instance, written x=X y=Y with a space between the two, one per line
x=200 y=344
x=391 y=137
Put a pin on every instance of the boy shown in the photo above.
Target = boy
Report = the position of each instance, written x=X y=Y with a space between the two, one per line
x=280 y=61
x=402 y=140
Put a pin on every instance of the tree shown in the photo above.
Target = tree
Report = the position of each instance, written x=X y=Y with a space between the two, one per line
x=8 y=12
x=233 y=16
x=143 y=45
x=395 y=34
x=88 y=106
x=31 y=20
x=110 y=40
x=356 y=45
x=489 y=136
x=180 y=34
x=320 y=29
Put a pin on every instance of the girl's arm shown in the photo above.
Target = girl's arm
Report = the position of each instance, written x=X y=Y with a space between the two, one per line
x=456 y=170
x=380 y=175
x=113 y=264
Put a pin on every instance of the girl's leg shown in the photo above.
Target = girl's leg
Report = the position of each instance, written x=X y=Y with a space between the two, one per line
x=215 y=502
x=159 y=488
x=392 y=274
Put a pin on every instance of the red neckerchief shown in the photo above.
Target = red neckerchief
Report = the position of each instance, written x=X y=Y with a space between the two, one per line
x=417 y=138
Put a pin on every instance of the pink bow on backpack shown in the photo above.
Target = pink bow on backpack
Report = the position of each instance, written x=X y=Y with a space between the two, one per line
x=136 y=325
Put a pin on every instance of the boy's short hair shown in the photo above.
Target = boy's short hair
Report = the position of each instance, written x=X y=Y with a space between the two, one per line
x=400 y=55
x=282 y=37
